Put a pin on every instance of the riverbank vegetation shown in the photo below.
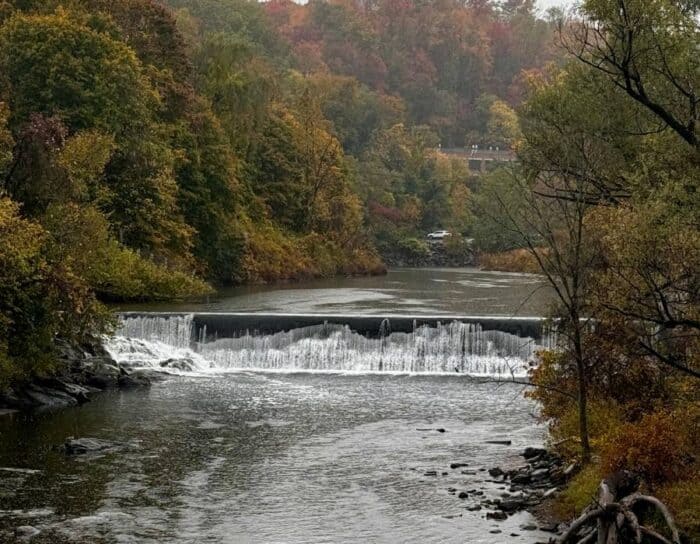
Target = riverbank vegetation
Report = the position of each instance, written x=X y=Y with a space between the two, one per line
x=606 y=201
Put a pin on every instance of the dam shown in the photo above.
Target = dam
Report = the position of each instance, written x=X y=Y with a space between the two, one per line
x=229 y=341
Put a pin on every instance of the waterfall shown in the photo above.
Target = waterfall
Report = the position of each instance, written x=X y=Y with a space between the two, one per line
x=175 y=342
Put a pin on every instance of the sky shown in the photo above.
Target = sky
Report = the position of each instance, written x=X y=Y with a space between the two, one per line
x=545 y=4
x=542 y=4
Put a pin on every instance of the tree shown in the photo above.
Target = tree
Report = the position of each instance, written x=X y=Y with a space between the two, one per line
x=649 y=51
x=553 y=230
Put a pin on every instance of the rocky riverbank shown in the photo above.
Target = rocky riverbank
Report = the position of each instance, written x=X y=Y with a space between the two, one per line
x=84 y=371
x=432 y=255
x=526 y=487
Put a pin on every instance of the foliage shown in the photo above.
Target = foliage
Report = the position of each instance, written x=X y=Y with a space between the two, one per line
x=683 y=497
x=515 y=260
x=660 y=447
x=148 y=147
x=40 y=299
x=579 y=492
x=413 y=247
x=615 y=130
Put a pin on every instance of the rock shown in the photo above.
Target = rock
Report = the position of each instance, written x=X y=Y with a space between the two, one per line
x=80 y=446
x=539 y=474
x=570 y=470
x=103 y=372
x=511 y=505
x=548 y=527
x=499 y=515
x=26 y=532
x=521 y=478
x=430 y=473
x=529 y=453
x=474 y=508
x=441 y=430
x=550 y=492
x=500 y=442
x=495 y=472
x=495 y=531
x=134 y=380
x=458 y=465
x=48 y=397
x=185 y=365
x=463 y=495
x=528 y=527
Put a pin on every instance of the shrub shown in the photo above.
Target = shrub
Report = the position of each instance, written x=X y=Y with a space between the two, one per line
x=683 y=497
x=80 y=239
x=580 y=492
x=658 y=447
x=516 y=260
x=40 y=299
x=413 y=247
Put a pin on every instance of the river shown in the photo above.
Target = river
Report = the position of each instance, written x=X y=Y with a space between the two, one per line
x=413 y=291
x=234 y=455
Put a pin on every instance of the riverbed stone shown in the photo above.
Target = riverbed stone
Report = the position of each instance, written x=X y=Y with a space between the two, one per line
x=498 y=515
x=511 y=505
x=103 y=372
x=539 y=474
x=531 y=452
x=80 y=446
x=521 y=478
x=134 y=380
x=26 y=532
x=496 y=472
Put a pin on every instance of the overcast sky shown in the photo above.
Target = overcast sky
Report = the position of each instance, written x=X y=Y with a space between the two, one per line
x=542 y=4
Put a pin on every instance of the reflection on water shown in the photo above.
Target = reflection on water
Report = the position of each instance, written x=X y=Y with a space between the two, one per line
x=448 y=291
x=267 y=458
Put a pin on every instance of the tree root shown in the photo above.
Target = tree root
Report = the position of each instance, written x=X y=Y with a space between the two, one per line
x=610 y=515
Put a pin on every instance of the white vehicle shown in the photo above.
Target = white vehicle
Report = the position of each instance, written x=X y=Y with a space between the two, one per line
x=439 y=235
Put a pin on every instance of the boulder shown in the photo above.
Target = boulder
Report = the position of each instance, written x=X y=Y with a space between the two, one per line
x=530 y=452
x=521 y=478
x=496 y=472
x=102 y=372
x=48 y=397
x=26 y=532
x=539 y=474
x=81 y=446
x=511 y=505
x=134 y=380
x=184 y=365
x=499 y=515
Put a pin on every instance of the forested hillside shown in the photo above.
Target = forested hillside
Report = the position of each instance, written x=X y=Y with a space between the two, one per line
x=148 y=151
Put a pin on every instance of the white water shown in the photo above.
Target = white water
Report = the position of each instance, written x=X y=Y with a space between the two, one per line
x=150 y=342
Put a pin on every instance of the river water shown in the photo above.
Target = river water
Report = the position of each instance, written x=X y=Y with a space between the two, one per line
x=233 y=455
x=413 y=291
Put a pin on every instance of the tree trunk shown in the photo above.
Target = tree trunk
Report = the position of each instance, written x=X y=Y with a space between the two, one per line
x=582 y=391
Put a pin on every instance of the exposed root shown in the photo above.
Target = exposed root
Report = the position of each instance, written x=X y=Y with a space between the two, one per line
x=612 y=516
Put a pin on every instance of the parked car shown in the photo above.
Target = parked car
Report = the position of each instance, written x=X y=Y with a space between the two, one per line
x=439 y=235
